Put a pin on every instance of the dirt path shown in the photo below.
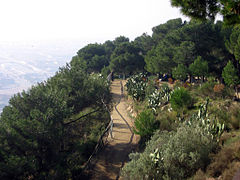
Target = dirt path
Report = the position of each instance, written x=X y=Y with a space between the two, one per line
x=115 y=153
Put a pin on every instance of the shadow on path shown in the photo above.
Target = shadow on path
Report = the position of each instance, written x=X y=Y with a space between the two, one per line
x=112 y=158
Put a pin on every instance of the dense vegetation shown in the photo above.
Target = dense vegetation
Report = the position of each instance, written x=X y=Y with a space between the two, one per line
x=187 y=124
x=44 y=133
x=182 y=129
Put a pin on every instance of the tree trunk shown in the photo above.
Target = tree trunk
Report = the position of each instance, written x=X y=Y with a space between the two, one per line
x=124 y=76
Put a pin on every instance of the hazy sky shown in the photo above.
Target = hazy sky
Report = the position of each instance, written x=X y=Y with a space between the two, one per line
x=81 y=19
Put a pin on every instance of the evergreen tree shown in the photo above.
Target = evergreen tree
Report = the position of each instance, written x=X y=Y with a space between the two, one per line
x=230 y=75
x=180 y=72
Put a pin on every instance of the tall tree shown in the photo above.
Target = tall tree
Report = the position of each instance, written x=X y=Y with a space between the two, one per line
x=126 y=58
x=208 y=9
x=185 y=53
x=233 y=44
x=180 y=72
x=118 y=40
x=38 y=138
x=91 y=57
x=199 y=68
x=159 y=59
x=144 y=42
x=230 y=75
x=160 y=31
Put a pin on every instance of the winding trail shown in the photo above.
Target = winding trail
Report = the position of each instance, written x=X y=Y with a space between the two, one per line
x=123 y=142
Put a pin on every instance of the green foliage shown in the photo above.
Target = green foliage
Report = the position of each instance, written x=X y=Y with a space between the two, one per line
x=206 y=89
x=159 y=97
x=199 y=67
x=214 y=90
x=92 y=58
x=183 y=42
x=39 y=137
x=211 y=126
x=159 y=59
x=136 y=86
x=151 y=85
x=225 y=162
x=121 y=39
x=105 y=71
x=171 y=155
x=200 y=10
x=176 y=154
x=234 y=118
x=180 y=99
x=141 y=165
x=167 y=120
x=233 y=44
x=180 y=72
x=229 y=115
x=186 y=152
x=209 y=9
x=144 y=42
x=160 y=31
x=145 y=124
x=185 y=53
x=126 y=58
x=230 y=75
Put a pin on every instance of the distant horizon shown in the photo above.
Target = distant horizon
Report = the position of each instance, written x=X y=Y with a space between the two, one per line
x=94 y=20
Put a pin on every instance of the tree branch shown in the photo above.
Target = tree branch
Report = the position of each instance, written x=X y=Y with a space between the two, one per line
x=65 y=124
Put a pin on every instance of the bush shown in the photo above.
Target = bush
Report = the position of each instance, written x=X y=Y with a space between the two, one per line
x=224 y=161
x=206 y=88
x=159 y=97
x=186 y=152
x=180 y=99
x=136 y=86
x=234 y=119
x=172 y=155
x=226 y=113
x=176 y=154
x=151 y=86
x=141 y=165
x=145 y=124
x=167 y=120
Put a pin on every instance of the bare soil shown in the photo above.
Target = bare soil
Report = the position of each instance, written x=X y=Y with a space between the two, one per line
x=123 y=141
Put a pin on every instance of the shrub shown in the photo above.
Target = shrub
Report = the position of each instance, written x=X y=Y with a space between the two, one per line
x=186 y=152
x=159 y=97
x=145 y=124
x=167 y=120
x=170 y=81
x=222 y=91
x=218 y=88
x=227 y=114
x=234 y=119
x=176 y=154
x=141 y=165
x=154 y=100
x=206 y=88
x=151 y=86
x=180 y=99
x=136 y=86
x=224 y=161
x=172 y=155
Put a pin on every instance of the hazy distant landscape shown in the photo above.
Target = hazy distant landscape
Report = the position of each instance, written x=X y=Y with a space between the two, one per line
x=24 y=64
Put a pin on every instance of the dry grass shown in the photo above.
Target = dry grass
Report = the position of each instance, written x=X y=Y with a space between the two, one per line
x=226 y=162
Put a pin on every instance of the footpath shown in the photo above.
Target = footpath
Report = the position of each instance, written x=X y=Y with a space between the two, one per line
x=123 y=141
